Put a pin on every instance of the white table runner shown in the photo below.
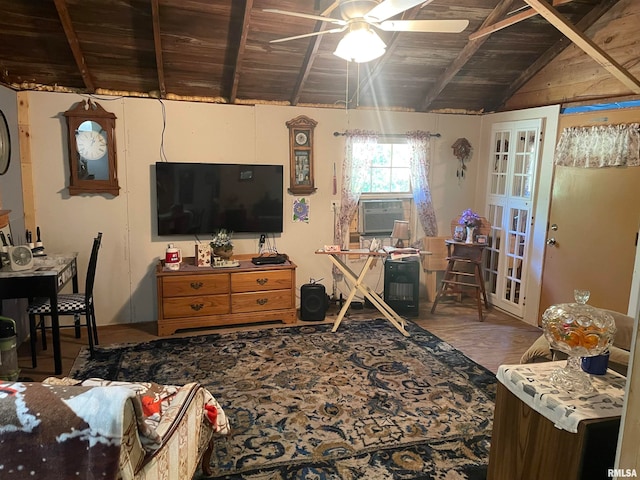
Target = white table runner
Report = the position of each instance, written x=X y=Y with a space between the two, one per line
x=531 y=384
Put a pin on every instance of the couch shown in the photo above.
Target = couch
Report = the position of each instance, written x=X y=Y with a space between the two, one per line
x=98 y=429
x=541 y=351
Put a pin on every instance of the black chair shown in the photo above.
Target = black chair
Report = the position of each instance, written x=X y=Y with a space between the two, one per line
x=76 y=304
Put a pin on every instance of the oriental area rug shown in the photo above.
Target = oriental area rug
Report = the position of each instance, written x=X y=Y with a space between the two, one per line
x=307 y=403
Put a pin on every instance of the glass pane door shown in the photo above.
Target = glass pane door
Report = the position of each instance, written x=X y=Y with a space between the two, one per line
x=511 y=180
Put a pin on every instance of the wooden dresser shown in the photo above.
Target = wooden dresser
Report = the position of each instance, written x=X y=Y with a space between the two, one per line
x=197 y=297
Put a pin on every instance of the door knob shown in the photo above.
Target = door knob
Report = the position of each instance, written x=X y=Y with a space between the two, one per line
x=551 y=241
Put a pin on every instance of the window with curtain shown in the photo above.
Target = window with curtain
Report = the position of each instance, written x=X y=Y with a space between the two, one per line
x=392 y=168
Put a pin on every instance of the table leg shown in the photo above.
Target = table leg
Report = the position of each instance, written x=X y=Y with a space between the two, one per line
x=55 y=333
x=359 y=285
x=351 y=276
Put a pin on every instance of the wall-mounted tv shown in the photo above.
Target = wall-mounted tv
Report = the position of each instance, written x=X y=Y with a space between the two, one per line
x=200 y=198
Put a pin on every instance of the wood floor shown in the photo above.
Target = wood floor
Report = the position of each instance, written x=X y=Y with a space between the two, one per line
x=500 y=339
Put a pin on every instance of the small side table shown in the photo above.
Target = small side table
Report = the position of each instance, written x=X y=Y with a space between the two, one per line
x=541 y=432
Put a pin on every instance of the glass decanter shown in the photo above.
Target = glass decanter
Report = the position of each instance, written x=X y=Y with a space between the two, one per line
x=579 y=330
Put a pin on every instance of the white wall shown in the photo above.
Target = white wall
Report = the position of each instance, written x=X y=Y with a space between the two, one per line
x=199 y=132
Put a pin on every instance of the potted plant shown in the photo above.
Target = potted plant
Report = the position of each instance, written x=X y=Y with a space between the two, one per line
x=221 y=244
x=471 y=220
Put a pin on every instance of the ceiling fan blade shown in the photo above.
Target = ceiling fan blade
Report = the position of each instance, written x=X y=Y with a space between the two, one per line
x=312 y=34
x=305 y=15
x=431 y=26
x=389 y=8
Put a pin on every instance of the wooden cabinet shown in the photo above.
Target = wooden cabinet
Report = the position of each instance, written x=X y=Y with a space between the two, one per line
x=527 y=446
x=197 y=297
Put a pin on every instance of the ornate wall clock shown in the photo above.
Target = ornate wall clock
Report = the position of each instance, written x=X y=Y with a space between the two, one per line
x=92 y=149
x=301 y=155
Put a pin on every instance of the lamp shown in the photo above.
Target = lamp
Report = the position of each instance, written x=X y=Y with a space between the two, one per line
x=400 y=232
x=361 y=44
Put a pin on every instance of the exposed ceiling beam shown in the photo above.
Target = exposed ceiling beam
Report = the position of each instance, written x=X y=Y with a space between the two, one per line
x=74 y=43
x=510 y=20
x=586 y=45
x=463 y=57
x=237 y=68
x=310 y=56
x=157 y=45
x=584 y=24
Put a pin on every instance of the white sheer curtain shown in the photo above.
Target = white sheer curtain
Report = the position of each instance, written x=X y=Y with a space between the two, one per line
x=599 y=146
x=360 y=149
x=420 y=163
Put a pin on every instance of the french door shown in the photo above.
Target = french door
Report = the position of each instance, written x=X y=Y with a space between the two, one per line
x=511 y=184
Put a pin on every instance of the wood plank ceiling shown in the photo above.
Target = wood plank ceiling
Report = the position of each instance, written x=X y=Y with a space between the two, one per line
x=219 y=51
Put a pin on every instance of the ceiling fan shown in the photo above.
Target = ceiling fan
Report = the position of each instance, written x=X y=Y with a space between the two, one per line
x=362 y=44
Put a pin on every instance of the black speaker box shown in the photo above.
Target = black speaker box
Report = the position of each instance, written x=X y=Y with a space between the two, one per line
x=313 y=302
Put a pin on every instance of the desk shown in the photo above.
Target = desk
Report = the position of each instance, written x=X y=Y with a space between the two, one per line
x=47 y=277
x=359 y=286
x=541 y=432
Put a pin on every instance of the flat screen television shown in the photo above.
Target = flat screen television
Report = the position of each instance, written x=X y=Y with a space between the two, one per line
x=200 y=198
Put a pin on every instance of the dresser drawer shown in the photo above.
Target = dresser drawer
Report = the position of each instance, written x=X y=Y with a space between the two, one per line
x=195 y=306
x=259 y=281
x=258 y=301
x=185 y=285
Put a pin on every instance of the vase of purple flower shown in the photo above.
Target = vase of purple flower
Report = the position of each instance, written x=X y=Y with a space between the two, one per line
x=471 y=220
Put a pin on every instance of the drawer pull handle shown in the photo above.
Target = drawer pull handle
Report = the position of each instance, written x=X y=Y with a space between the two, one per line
x=196 y=285
x=262 y=301
x=262 y=281
x=197 y=306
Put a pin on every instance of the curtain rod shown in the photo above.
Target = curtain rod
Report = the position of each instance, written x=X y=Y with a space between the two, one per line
x=386 y=135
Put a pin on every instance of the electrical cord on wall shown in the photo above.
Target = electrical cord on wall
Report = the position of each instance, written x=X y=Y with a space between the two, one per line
x=163 y=156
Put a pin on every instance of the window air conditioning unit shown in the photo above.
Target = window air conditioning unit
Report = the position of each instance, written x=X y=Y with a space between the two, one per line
x=377 y=216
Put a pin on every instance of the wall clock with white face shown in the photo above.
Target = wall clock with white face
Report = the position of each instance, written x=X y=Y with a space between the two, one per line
x=92 y=149
x=91 y=145
x=301 y=155
x=302 y=138
x=5 y=144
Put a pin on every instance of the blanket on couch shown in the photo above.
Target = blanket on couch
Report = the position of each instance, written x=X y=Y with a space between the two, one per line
x=74 y=431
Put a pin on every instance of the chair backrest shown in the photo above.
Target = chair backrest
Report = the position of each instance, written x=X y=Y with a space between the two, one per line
x=91 y=270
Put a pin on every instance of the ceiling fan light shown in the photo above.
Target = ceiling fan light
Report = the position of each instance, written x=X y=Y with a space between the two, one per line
x=360 y=46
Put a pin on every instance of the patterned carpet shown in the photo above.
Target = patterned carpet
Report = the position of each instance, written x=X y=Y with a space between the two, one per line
x=306 y=403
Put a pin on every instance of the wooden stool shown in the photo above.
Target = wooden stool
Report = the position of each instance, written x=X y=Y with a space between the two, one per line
x=464 y=269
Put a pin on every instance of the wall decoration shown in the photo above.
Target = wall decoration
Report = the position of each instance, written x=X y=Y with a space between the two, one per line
x=5 y=144
x=462 y=151
x=92 y=149
x=301 y=155
x=301 y=210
